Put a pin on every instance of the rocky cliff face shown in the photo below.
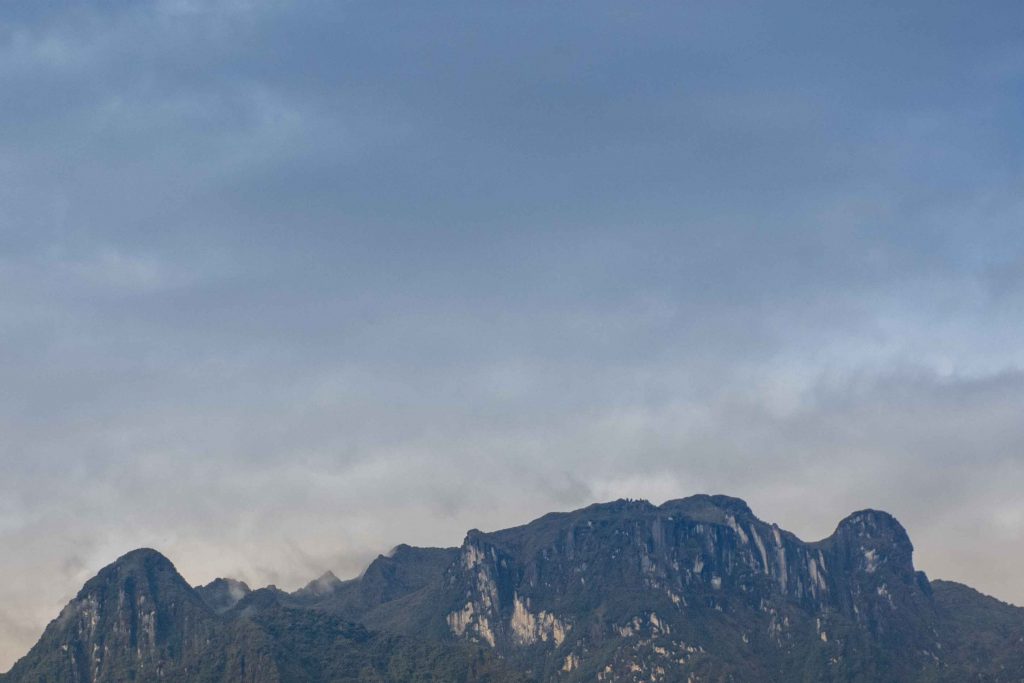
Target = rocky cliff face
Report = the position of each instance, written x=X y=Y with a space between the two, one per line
x=138 y=620
x=123 y=624
x=630 y=591
x=697 y=589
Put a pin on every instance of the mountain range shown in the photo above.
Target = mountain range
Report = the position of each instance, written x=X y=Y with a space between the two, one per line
x=694 y=590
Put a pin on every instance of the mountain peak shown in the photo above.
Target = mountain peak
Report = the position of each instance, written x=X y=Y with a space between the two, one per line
x=712 y=507
x=871 y=519
x=613 y=507
x=619 y=591
x=329 y=576
x=874 y=526
x=147 y=570
x=325 y=584
x=874 y=539
x=222 y=594
x=126 y=623
x=143 y=556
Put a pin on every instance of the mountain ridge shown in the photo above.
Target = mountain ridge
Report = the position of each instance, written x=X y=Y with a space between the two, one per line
x=695 y=589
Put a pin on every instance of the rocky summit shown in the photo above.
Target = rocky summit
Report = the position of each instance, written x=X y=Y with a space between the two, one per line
x=697 y=589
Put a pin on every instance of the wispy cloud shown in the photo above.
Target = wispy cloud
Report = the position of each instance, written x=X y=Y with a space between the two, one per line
x=341 y=275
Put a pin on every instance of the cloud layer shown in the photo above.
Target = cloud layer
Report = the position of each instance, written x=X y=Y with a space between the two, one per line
x=283 y=285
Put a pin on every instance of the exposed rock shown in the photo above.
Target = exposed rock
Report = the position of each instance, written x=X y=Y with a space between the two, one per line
x=697 y=589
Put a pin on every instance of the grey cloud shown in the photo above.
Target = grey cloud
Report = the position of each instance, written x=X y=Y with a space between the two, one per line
x=338 y=276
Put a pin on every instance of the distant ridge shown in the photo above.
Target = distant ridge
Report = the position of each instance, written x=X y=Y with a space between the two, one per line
x=696 y=589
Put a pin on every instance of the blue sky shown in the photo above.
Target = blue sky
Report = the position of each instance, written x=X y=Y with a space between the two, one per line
x=285 y=284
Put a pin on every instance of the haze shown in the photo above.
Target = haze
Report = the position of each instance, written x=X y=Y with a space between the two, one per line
x=285 y=284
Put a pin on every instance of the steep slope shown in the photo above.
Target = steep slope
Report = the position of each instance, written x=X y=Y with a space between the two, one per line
x=313 y=645
x=138 y=620
x=222 y=594
x=399 y=592
x=986 y=635
x=699 y=588
x=630 y=591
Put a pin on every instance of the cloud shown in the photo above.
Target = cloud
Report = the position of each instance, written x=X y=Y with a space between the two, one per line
x=339 y=277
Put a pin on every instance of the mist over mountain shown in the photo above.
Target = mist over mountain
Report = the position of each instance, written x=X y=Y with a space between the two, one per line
x=283 y=284
x=696 y=589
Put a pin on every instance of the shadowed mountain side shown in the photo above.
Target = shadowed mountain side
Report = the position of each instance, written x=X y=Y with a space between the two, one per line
x=222 y=594
x=138 y=620
x=697 y=586
x=697 y=589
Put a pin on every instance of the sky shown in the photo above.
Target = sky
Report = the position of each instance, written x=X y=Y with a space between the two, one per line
x=285 y=284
